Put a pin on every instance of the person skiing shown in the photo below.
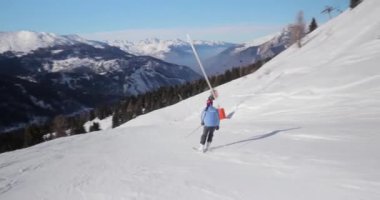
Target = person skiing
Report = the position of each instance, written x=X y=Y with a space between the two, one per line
x=210 y=120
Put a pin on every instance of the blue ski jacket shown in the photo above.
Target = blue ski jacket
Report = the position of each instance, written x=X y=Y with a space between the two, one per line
x=210 y=117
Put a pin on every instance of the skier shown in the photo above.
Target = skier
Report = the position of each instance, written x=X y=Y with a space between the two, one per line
x=210 y=120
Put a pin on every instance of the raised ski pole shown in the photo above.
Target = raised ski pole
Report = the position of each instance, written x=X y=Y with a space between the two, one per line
x=221 y=112
x=201 y=66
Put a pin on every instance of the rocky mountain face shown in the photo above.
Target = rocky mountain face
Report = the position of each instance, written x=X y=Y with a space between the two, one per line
x=65 y=78
x=248 y=53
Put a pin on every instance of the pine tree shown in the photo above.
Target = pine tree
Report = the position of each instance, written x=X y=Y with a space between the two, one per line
x=60 y=125
x=228 y=76
x=139 y=105
x=115 y=119
x=95 y=127
x=33 y=134
x=131 y=105
x=28 y=136
x=313 y=25
x=78 y=127
x=236 y=73
x=354 y=3
x=92 y=115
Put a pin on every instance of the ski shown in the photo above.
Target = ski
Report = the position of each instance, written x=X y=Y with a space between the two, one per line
x=197 y=150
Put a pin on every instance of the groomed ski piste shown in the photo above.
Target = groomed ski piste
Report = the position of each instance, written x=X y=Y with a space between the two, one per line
x=305 y=126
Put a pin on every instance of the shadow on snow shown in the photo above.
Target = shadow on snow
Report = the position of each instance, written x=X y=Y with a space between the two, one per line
x=258 y=137
x=230 y=115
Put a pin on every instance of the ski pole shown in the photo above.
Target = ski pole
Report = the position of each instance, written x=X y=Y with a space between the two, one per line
x=201 y=66
x=192 y=132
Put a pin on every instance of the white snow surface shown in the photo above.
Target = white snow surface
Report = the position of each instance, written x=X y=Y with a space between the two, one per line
x=99 y=66
x=104 y=124
x=256 y=42
x=305 y=126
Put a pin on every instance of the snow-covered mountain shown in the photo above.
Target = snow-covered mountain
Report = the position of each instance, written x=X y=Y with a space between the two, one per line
x=217 y=56
x=26 y=41
x=174 y=51
x=304 y=126
x=249 y=52
x=64 y=76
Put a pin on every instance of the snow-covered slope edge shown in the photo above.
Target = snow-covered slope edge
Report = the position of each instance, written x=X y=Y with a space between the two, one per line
x=305 y=126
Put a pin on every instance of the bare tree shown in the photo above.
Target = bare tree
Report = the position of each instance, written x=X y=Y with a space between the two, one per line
x=297 y=29
x=60 y=125
x=28 y=136
x=354 y=3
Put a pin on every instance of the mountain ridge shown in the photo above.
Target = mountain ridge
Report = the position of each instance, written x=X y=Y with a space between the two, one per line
x=249 y=52
x=27 y=41
x=75 y=75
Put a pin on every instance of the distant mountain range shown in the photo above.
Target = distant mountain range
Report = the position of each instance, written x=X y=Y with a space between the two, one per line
x=42 y=74
x=217 y=57
x=174 y=51
x=248 y=53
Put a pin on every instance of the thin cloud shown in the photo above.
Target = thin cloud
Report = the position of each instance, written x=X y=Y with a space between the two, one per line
x=229 y=33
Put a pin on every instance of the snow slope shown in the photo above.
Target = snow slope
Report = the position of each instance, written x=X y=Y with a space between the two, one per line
x=256 y=42
x=104 y=124
x=305 y=126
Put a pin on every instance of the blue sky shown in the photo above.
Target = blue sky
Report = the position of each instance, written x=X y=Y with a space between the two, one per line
x=228 y=20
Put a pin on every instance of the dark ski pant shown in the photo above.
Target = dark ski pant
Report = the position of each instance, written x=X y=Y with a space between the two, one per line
x=207 y=131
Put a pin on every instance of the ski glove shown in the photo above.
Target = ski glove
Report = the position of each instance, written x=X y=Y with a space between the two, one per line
x=217 y=128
